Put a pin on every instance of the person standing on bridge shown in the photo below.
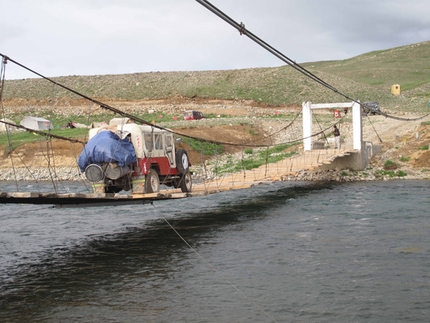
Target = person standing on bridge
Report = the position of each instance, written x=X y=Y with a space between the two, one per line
x=336 y=134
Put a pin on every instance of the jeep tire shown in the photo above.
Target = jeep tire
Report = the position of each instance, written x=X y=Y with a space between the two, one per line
x=185 y=183
x=152 y=182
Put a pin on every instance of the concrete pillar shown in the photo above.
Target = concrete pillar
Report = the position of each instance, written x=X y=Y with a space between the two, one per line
x=357 y=126
x=307 y=125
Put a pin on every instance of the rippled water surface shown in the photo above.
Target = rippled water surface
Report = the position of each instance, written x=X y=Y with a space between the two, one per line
x=357 y=252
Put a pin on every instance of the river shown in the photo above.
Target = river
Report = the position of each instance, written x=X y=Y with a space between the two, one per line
x=286 y=252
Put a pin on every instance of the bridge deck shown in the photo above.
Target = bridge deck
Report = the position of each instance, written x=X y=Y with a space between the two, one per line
x=246 y=179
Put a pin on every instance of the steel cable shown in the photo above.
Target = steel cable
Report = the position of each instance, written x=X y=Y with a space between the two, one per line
x=243 y=31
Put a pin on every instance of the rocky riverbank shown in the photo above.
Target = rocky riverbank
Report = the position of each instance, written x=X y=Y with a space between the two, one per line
x=371 y=173
x=41 y=174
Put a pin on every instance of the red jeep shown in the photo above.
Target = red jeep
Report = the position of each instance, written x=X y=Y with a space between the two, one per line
x=137 y=158
x=193 y=115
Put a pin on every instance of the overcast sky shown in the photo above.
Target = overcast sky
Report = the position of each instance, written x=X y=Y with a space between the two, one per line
x=96 y=37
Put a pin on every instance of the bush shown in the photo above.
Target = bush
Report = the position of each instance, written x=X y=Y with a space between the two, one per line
x=390 y=165
x=390 y=173
x=204 y=147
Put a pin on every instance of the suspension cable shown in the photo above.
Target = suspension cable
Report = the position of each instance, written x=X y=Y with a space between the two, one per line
x=243 y=31
x=139 y=120
x=325 y=137
x=10 y=147
x=108 y=107
x=42 y=133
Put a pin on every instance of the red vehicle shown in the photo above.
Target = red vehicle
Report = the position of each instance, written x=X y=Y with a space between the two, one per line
x=157 y=161
x=193 y=115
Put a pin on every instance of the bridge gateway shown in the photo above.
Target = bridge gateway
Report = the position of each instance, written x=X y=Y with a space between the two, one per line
x=356 y=122
x=356 y=158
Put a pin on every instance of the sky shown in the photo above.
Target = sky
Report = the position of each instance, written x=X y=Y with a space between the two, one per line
x=100 y=37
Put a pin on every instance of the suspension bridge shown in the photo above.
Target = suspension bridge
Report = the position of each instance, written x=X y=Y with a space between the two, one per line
x=353 y=154
x=283 y=170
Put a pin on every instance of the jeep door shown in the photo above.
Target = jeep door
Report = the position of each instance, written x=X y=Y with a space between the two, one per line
x=170 y=149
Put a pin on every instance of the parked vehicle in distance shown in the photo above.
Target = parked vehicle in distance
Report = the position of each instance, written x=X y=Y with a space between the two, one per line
x=371 y=108
x=127 y=156
x=193 y=115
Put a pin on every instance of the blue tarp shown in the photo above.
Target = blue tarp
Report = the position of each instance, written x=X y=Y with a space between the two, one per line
x=107 y=147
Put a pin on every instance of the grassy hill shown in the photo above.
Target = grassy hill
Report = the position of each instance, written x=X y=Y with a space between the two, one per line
x=407 y=65
x=367 y=77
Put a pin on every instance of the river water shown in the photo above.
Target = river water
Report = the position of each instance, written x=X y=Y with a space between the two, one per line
x=287 y=252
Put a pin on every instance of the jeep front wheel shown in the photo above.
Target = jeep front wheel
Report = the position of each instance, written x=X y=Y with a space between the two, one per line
x=152 y=183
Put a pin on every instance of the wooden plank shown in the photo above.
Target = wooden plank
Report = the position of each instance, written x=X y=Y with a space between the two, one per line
x=22 y=195
x=181 y=195
x=64 y=195
x=123 y=196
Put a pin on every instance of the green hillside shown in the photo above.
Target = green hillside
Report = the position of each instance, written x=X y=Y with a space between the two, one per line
x=408 y=66
x=367 y=77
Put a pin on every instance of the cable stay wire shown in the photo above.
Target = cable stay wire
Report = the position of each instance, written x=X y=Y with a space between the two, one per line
x=117 y=111
x=377 y=134
x=43 y=133
x=112 y=109
x=278 y=131
x=139 y=120
x=243 y=31
x=207 y=263
x=325 y=137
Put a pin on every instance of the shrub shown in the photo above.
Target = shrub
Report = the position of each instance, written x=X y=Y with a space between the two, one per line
x=390 y=173
x=400 y=173
x=204 y=147
x=390 y=165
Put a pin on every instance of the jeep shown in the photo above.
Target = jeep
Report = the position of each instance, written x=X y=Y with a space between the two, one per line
x=371 y=108
x=127 y=156
x=193 y=115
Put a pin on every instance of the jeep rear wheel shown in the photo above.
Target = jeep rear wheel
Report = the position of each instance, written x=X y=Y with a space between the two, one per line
x=185 y=183
x=152 y=183
x=182 y=162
